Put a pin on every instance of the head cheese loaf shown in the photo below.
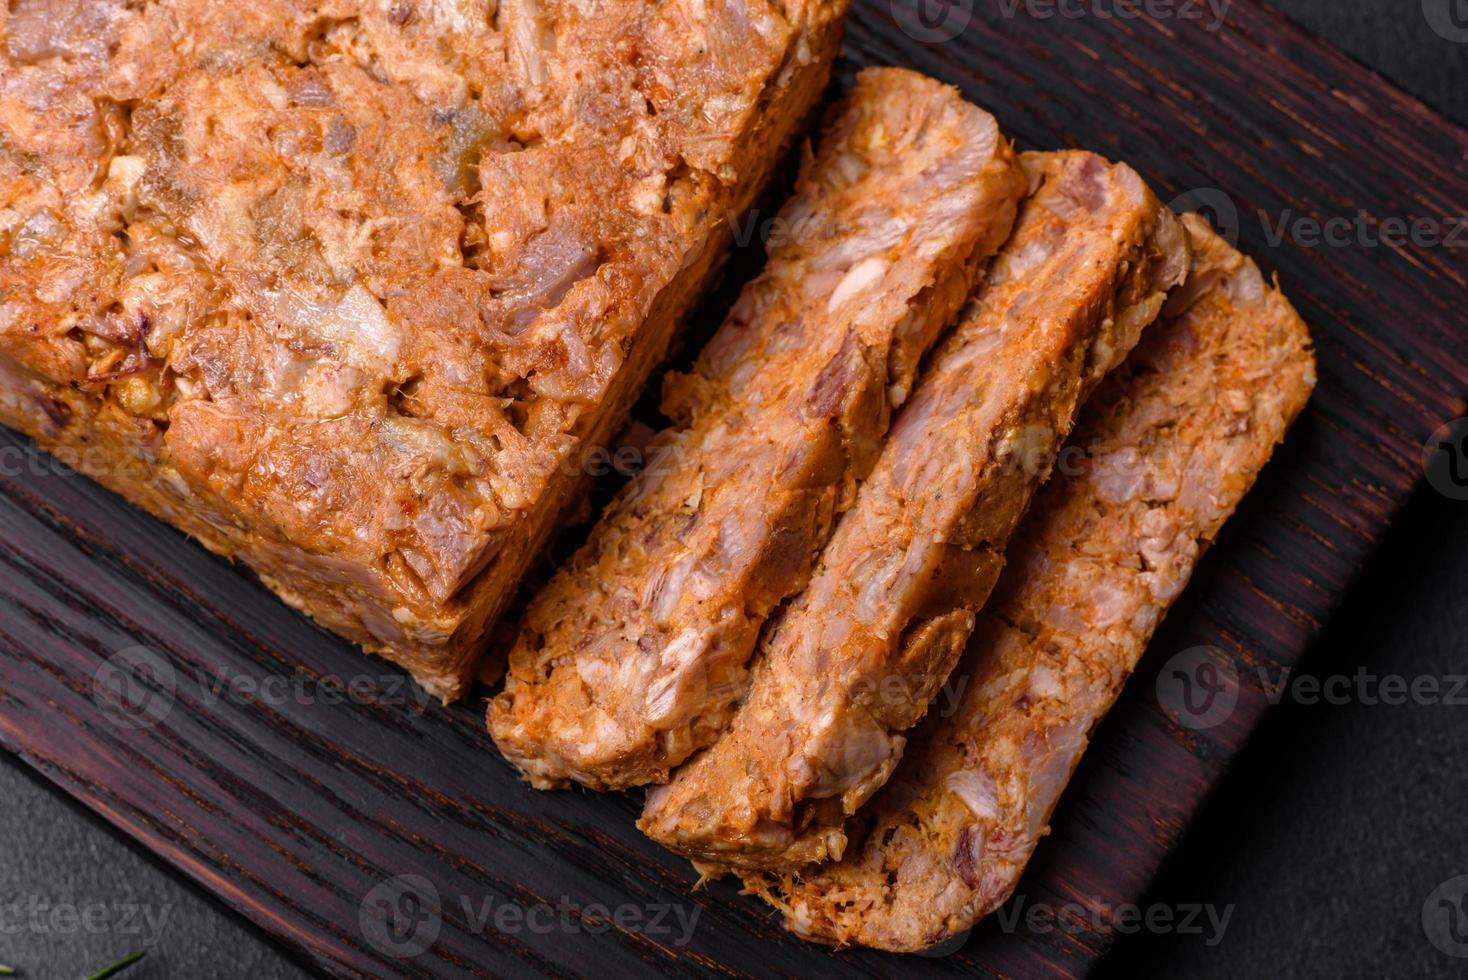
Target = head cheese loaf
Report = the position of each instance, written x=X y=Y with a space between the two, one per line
x=343 y=288
x=634 y=655
x=1170 y=445
x=852 y=663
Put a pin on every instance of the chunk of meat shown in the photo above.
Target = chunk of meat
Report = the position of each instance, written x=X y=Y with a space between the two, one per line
x=1164 y=453
x=853 y=663
x=633 y=656
x=339 y=287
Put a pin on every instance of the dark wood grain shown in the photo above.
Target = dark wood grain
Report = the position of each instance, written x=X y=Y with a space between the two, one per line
x=292 y=810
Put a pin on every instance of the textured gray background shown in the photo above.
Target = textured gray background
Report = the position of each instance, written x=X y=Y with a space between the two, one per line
x=1326 y=838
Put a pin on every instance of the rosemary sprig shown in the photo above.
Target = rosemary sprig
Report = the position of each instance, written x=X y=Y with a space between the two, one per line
x=119 y=966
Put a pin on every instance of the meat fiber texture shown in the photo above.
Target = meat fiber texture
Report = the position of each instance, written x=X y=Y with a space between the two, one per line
x=1166 y=450
x=343 y=288
x=634 y=655
x=854 y=661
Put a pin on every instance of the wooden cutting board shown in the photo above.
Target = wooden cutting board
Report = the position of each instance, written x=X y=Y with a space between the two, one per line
x=362 y=832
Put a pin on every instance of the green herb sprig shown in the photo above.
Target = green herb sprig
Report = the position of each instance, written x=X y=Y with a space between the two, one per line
x=119 y=966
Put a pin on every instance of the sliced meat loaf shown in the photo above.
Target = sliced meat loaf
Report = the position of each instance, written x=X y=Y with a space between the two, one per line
x=633 y=656
x=1164 y=453
x=852 y=664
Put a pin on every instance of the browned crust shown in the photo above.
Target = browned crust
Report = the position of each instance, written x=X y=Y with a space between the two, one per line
x=246 y=279
x=1165 y=452
x=854 y=661
x=633 y=656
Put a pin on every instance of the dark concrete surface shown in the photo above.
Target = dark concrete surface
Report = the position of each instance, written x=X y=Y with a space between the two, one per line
x=1322 y=845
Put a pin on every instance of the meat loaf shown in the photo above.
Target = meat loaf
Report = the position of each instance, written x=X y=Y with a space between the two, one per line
x=853 y=662
x=1166 y=450
x=633 y=656
x=343 y=289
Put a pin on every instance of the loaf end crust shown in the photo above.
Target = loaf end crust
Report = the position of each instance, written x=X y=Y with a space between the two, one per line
x=344 y=289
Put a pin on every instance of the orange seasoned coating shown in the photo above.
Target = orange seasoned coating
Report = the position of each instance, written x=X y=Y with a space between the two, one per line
x=854 y=661
x=341 y=288
x=1165 y=451
x=634 y=655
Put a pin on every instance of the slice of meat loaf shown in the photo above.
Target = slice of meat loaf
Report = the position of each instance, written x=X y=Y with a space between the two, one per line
x=1163 y=455
x=344 y=289
x=634 y=654
x=852 y=664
